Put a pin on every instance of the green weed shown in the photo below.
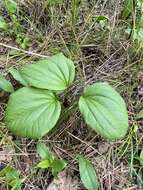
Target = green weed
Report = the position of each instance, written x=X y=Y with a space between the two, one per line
x=14 y=28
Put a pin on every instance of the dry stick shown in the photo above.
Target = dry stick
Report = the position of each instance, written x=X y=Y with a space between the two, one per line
x=24 y=51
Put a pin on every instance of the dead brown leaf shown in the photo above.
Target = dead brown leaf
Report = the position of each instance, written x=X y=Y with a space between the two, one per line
x=7 y=153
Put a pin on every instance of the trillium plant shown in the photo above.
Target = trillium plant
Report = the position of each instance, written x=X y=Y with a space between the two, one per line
x=33 y=110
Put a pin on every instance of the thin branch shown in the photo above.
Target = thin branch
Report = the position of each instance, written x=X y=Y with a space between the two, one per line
x=24 y=51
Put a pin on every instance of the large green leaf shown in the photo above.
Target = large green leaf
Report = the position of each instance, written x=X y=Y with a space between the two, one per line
x=87 y=174
x=55 y=73
x=5 y=84
x=104 y=110
x=32 y=112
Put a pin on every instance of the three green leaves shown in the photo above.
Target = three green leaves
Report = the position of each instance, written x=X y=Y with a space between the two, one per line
x=34 y=110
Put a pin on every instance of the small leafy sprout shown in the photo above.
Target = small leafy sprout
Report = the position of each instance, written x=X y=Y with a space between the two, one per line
x=88 y=174
x=49 y=161
x=34 y=110
x=102 y=20
x=12 y=178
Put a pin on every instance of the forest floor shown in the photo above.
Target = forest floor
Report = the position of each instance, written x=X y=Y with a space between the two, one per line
x=102 y=50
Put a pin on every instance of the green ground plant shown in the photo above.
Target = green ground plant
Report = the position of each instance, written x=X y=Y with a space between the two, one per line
x=13 y=28
x=48 y=160
x=12 y=178
x=135 y=30
x=47 y=101
x=36 y=108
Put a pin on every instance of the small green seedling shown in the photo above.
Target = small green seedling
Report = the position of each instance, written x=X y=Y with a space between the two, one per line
x=49 y=161
x=34 y=110
x=101 y=20
x=12 y=178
